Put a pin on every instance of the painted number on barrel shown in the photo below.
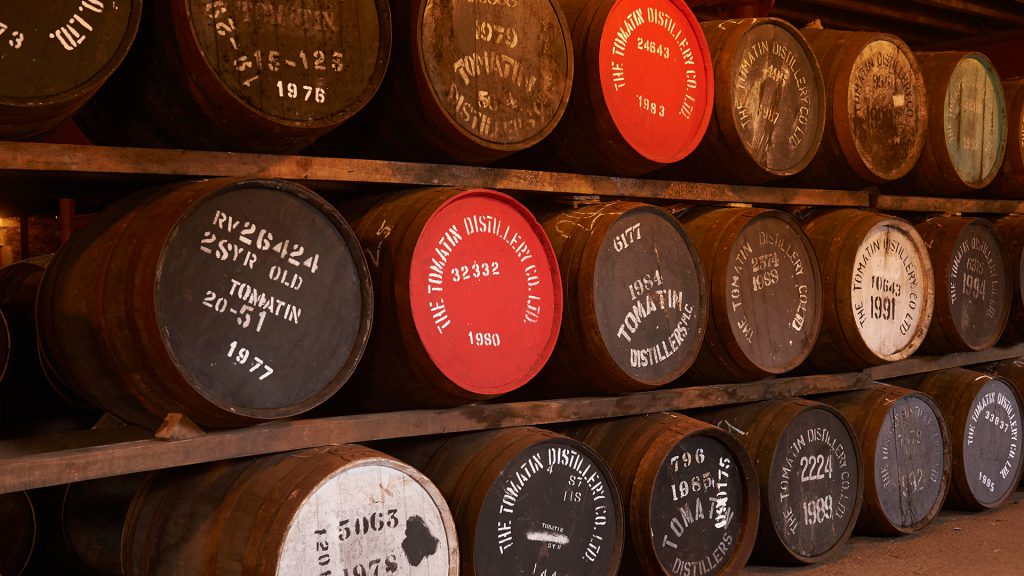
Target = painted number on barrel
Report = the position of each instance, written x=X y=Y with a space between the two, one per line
x=475 y=270
x=241 y=356
x=883 y=308
x=631 y=234
x=15 y=39
x=818 y=510
x=484 y=338
x=294 y=91
x=815 y=467
x=500 y=35
x=648 y=105
x=656 y=48
x=243 y=314
x=642 y=285
x=375 y=522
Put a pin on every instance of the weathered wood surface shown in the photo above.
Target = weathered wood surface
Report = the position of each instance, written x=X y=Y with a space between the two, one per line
x=966 y=137
x=769 y=104
x=638 y=298
x=55 y=55
x=895 y=203
x=20 y=158
x=1011 y=232
x=1009 y=182
x=19 y=521
x=876 y=120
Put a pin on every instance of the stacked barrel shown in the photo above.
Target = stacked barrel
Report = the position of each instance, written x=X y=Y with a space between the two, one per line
x=229 y=302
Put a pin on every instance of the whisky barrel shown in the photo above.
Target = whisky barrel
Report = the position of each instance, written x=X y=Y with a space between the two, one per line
x=469 y=299
x=983 y=415
x=809 y=467
x=92 y=520
x=268 y=76
x=906 y=449
x=765 y=292
x=311 y=512
x=18 y=519
x=470 y=82
x=638 y=296
x=1012 y=371
x=55 y=55
x=877 y=286
x=529 y=501
x=769 y=106
x=876 y=118
x=1009 y=181
x=643 y=89
x=971 y=276
x=689 y=493
x=230 y=301
x=1011 y=232
x=966 y=137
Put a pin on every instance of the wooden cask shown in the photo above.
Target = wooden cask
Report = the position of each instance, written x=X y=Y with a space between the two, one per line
x=1011 y=232
x=309 y=512
x=809 y=467
x=638 y=296
x=966 y=125
x=1009 y=181
x=643 y=88
x=529 y=501
x=983 y=415
x=877 y=115
x=54 y=55
x=689 y=491
x=230 y=301
x=18 y=519
x=877 y=286
x=972 y=280
x=470 y=82
x=92 y=520
x=769 y=104
x=907 y=460
x=1010 y=370
x=268 y=76
x=468 y=298
x=765 y=285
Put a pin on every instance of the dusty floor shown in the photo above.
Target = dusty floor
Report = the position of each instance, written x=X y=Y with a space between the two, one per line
x=956 y=543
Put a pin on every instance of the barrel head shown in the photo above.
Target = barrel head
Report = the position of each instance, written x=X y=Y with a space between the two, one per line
x=909 y=463
x=313 y=63
x=485 y=293
x=777 y=103
x=891 y=291
x=974 y=120
x=375 y=517
x=884 y=98
x=698 y=505
x=53 y=49
x=262 y=297
x=554 y=509
x=814 y=484
x=656 y=77
x=649 y=296
x=500 y=70
x=990 y=454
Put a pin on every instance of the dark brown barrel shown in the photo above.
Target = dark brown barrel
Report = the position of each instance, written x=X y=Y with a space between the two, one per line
x=877 y=286
x=469 y=299
x=765 y=292
x=769 y=104
x=877 y=114
x=689 y=493
x=54 y=55
x=308 y=512
x=966 y=125
x=638 y=295
x=470 y=82
x=266 y=76
x=529 y=501
x=809 y=467
x=1011 y=232
x=905 y=444
x=18 y=519
x=229 y=301
x=1011 y=371
x=643 y=89
x=92 y=520
x=971 y=273
x=1009 y=182
x=983 y=415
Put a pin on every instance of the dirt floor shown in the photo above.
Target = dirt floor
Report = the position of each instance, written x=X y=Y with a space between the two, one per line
x=956 y=543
